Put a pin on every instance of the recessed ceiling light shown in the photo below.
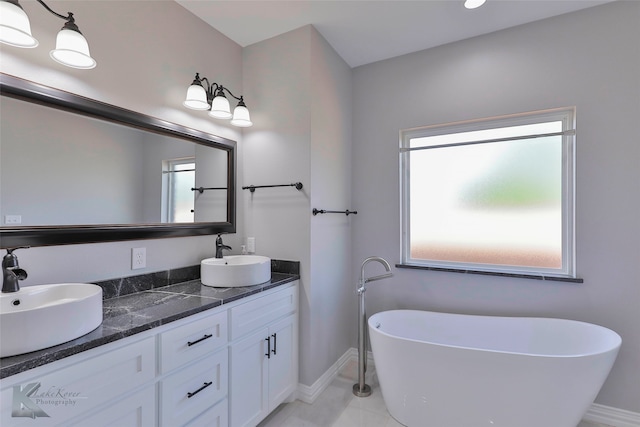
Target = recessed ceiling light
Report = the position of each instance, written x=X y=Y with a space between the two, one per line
x=472 y=4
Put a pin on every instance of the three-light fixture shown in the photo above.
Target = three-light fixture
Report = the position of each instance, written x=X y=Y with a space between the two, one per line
x=213 y=98
x=71 y=49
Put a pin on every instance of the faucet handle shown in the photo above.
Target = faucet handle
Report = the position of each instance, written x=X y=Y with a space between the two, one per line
x=10 y=260
x=10 y=250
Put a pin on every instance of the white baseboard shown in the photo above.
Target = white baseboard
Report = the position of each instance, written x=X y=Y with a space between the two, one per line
x=608 y=415
x=612 y=416
x=308 y=394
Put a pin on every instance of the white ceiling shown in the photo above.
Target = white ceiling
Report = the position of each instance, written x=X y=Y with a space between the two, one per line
x=365 y=31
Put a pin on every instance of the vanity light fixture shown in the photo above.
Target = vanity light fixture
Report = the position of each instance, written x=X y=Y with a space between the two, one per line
x=71 y=49
x=213 y=98
x=473 y=4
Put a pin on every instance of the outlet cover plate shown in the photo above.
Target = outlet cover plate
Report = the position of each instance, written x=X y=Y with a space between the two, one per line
x=138 y=258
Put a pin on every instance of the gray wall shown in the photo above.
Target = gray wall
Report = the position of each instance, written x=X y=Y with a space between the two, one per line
x=302 y=132
x=589 y=59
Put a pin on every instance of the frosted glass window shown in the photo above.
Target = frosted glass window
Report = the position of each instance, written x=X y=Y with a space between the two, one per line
x=498 y=198
x=182 y=179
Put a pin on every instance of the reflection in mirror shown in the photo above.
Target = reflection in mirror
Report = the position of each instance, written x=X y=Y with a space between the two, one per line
x=82 y=170
x=110 y=174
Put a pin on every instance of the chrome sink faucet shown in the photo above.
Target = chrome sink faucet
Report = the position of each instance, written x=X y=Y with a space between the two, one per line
x=11 y=271
x=220 y=246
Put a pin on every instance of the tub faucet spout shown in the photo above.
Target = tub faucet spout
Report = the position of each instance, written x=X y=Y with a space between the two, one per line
x=382 y=261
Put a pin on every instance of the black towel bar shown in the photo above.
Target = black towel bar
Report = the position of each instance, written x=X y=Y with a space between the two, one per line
x=252 y=188
x=202 y=189
x=323 y=211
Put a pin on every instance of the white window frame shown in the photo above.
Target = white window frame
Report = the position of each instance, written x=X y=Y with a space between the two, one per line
x=567 y=116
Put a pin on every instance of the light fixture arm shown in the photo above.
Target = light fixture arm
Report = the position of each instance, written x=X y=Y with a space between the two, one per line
x=67 y=18
x=222 y=88
x=71 y=22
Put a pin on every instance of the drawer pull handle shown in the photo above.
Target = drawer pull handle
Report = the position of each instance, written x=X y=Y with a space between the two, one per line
x=190 y=343
x=268 y=353
x=275 y=344
x=190 y=395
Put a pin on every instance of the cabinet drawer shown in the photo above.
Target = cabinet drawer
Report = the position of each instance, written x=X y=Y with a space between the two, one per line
x=190 y=391
x=218 y=416
x=68 y=392
x=138 y=410
x=261 y=311
x=189 y=342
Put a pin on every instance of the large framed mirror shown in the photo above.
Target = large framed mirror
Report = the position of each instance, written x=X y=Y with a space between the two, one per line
x=75 y=170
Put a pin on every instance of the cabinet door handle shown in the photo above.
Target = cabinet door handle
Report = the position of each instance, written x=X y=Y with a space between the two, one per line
x=275 y=344
x=205 y=385
x=268 y=353
x=190 y=343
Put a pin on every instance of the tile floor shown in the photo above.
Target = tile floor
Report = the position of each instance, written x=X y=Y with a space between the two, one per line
x=338 y=407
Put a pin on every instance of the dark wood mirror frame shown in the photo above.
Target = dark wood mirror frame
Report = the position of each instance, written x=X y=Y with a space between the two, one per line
x=73 y=234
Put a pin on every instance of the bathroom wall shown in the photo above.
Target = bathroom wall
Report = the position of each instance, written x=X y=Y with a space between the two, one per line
x=589 y=59
x=302 y=133
x=148 y=53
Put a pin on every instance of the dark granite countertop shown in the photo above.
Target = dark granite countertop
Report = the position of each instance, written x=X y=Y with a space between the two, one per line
x=128 y=313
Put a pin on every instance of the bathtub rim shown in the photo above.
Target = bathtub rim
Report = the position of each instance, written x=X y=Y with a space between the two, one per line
x=613 y=334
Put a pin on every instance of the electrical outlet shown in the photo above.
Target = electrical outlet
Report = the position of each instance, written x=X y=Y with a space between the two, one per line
x=138 y=258
x=13 y=219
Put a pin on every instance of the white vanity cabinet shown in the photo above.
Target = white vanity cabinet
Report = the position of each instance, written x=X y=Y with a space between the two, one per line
x=230 y=365
x=263 y=356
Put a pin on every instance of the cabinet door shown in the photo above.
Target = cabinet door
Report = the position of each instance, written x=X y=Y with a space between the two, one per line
x=248 y=385
x=283 y=364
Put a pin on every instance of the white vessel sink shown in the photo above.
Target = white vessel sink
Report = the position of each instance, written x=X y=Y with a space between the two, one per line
x=42 y=316
x=235 y=270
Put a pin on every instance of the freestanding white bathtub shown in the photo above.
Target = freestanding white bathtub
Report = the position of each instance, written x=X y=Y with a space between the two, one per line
x=453 y=370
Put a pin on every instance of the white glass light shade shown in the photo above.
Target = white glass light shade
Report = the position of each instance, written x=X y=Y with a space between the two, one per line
x=220 y=108
x=72 y=50
x=241 y=117
x=196 y=98
x=472 y=4
x=15 y=29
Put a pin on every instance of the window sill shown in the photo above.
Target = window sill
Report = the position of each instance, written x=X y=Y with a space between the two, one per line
x=493 y=273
